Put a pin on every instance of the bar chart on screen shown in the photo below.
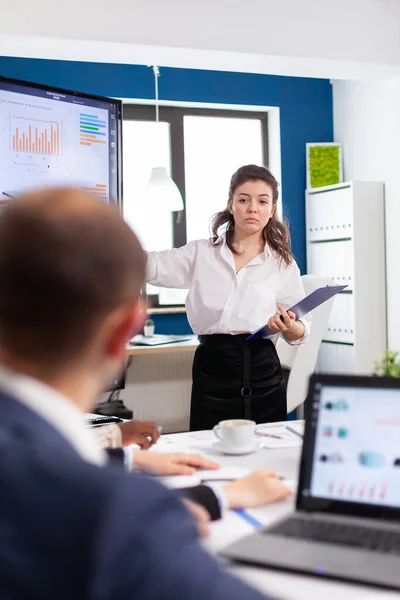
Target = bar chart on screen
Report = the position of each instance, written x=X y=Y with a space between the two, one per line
x=35 y=136
x=98 y=189
x=92 y=130
x=93 y=150
x=361 y=491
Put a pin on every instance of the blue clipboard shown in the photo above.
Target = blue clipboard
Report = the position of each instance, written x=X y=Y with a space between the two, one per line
x=317 y=297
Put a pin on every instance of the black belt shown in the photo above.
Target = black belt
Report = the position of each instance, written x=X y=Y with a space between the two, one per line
x=223 y=339
x=246 y=390
x=234 y=340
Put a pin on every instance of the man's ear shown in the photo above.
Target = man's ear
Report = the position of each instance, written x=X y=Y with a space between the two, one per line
x=140 y=315
x=123 y=324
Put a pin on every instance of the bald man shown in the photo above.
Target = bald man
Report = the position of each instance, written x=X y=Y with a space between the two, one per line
x=72 y=527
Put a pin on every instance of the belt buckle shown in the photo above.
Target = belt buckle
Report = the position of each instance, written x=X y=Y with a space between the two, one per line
x=246 y=391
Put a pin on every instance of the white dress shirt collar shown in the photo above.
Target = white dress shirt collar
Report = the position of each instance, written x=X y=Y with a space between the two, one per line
x=227 y=254
x=57 y=410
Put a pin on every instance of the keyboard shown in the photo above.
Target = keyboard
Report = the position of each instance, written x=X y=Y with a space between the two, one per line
x=93 y=419
x=355 y=536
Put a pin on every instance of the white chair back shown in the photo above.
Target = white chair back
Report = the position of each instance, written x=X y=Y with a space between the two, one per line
x=301 y=359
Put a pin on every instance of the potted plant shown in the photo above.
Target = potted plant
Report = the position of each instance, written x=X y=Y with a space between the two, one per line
x=388 y=365
x=149 y=328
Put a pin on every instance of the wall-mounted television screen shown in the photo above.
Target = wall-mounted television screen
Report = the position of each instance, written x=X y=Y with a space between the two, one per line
x=55 y=137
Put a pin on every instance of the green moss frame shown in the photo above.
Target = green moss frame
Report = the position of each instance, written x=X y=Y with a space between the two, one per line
x=324 y=165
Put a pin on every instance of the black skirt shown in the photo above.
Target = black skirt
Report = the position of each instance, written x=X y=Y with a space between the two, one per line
x=235 y=379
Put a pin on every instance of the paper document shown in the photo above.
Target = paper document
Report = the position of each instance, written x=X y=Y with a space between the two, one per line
x=222 y=475
x=190 y=442
x=283 y=438
x=158 y=340
x=303 y=307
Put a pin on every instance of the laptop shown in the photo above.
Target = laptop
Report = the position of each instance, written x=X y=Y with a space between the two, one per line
x=346 y=524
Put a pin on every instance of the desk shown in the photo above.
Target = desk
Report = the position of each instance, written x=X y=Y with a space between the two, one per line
x=159 y=383
x=186 y=346
x=232 y=527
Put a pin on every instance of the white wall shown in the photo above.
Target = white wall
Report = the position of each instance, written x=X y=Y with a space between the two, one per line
x=367 y=122
x=359 y=124
x=285 y=28
x=328 y=38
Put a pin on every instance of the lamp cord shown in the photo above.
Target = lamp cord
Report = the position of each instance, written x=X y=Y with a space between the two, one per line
x=156 y=76
x=156 y=72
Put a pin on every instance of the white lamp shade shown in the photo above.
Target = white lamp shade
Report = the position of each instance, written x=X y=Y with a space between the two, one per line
x=162 y=192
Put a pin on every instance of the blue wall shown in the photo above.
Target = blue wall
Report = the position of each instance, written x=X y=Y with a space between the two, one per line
x=176 y=324
x=305 y=108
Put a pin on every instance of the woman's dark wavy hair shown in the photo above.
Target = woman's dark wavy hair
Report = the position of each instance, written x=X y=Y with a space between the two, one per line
x=275 y=233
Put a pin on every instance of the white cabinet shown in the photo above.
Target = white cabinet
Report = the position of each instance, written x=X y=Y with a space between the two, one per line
x=334 y=260
x=346 y=242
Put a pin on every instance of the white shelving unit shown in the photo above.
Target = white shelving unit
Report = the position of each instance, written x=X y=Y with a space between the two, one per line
x=346 y=241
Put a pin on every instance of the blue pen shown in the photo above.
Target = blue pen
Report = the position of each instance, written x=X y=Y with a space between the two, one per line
x=248 y=518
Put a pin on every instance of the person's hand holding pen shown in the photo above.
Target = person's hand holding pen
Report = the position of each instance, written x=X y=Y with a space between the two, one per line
x=257 y=489
x=285 y=323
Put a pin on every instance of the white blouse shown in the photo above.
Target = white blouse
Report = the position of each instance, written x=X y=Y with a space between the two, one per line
x=219 y=299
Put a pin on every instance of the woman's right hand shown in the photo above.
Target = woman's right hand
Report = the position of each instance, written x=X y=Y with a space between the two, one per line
x=143 y=433
x=257 y=489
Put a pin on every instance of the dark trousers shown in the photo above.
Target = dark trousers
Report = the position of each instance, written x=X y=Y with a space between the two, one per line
x=235 y=379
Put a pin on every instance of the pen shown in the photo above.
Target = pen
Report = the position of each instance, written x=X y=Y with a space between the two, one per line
x=300 y=435
x=202 y=481
x=224 y=479
x=248 y=518
x=270 y=435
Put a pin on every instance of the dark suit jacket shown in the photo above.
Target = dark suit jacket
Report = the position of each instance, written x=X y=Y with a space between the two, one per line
x=201 y=494
x=70 y=530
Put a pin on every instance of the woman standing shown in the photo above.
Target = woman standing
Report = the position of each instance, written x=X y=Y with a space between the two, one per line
x=244 y=276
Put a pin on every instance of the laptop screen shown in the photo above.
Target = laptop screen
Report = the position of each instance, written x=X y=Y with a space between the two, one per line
x=353 y=445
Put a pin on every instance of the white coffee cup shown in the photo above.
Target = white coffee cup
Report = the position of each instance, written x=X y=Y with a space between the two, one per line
x=235 y=433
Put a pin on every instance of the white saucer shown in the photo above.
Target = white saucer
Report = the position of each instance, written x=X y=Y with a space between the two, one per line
x=256 y=445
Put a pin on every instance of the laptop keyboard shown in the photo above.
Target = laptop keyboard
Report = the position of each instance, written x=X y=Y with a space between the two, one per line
x=375 y=540
x=93 y=419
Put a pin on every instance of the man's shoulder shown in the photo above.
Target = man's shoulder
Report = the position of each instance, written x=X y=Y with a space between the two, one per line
x=63 y=513
x=39 y=454
x=43 y=479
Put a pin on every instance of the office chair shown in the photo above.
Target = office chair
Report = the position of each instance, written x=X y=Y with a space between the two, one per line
x=302 y=359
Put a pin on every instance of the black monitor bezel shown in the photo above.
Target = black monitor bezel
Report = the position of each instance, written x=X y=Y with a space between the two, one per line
x=323 y=505
x=120 y=385
x=84 y=95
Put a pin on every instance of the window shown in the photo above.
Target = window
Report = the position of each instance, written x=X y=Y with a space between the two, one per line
x=214 y=148
x=143 y=143
x=201 y=149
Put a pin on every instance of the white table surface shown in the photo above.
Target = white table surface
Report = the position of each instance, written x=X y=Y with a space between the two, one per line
x=188 y=345
x=285 y=462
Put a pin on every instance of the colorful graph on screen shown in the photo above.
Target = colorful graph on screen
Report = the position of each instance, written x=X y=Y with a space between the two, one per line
x=35 y=136
x=99 y=190
x=56 y=139
x=92 y=130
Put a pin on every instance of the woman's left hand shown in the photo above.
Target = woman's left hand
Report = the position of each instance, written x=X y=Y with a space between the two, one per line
x=277 y=324
x=288 y=325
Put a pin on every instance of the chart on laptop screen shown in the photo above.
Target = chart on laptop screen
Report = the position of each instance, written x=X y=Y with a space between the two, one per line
x=357 y=446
